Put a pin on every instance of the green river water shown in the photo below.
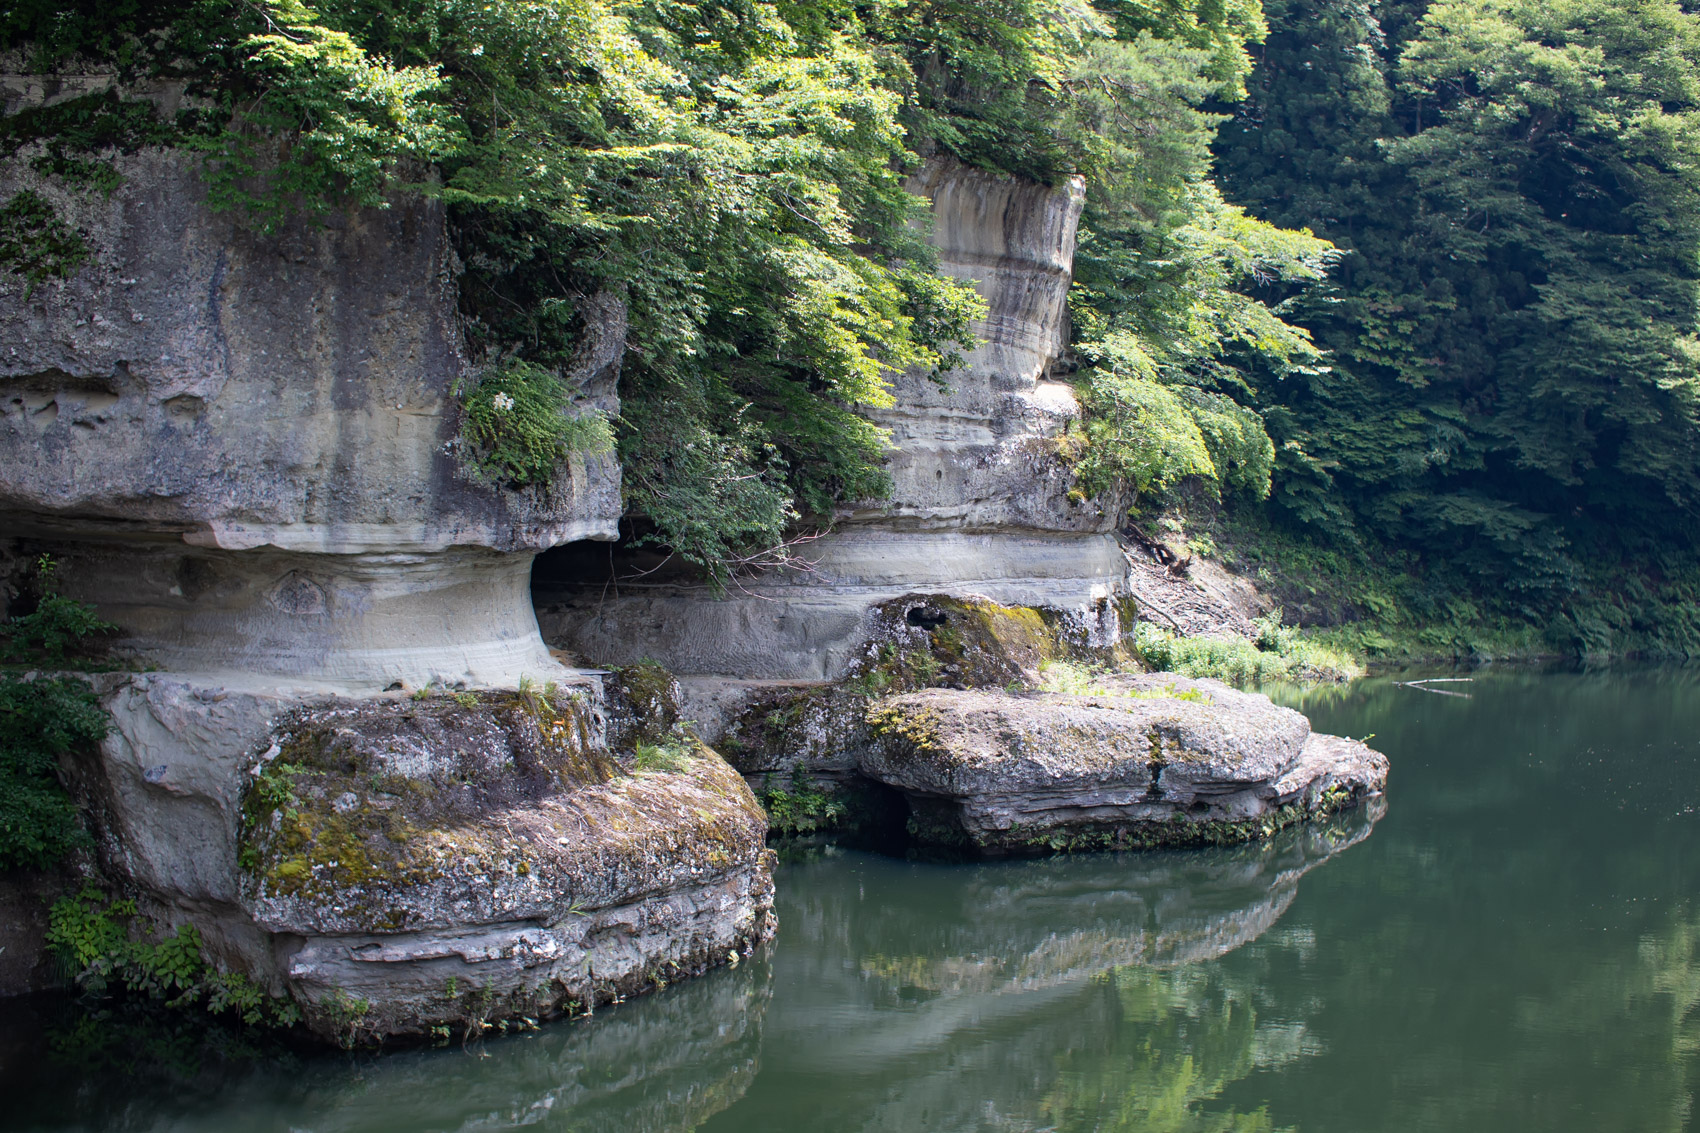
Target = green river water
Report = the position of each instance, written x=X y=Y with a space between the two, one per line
x=1509 y=941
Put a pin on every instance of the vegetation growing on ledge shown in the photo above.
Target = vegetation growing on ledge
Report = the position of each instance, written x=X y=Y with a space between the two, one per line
x=802 y=807
x=112 y=949
x=518 y=425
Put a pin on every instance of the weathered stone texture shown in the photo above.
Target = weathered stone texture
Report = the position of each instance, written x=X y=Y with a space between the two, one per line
x=388 y=851
x=1160 y=760
x=245 y=441
x=1148 y=759
x=241 y=390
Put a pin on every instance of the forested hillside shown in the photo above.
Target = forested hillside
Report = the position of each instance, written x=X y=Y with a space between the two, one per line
x=1397 y=300
x=1510 y=395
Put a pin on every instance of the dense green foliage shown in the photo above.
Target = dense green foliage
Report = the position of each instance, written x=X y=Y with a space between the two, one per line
x=1511 y=404
x=1475 y=390
x=520 y=425
x=734 y=174
x=44 y=717
x=112 y=949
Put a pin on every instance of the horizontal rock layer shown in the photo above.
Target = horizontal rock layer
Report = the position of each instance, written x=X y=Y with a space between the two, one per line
x=1160 y=760
x=981 y=497
x=812 y=625
x=461 y=616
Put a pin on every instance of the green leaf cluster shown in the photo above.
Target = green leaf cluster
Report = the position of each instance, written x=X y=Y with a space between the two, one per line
x=44 y=718
x=35 y=243
x=518 y=425
x=41 y=720
x=110 y=948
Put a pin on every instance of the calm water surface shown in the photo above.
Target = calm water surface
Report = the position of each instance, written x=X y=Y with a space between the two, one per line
x=1511 y=942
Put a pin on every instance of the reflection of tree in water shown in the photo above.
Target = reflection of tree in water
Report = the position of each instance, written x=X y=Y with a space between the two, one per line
x=1517 y=946
x=1179 y=1037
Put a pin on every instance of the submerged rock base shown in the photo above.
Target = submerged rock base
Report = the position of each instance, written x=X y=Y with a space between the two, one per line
x=408 y=864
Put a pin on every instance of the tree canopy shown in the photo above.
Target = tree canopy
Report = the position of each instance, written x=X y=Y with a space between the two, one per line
x=734 y=172
x=1390 y=273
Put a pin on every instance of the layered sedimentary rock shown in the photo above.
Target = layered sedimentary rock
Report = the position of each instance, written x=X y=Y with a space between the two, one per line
x=242 y=449
x=486 y=855
x=250 y=440
x=980 y=498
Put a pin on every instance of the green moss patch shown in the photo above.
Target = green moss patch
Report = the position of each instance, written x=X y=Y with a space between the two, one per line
x=344 y=800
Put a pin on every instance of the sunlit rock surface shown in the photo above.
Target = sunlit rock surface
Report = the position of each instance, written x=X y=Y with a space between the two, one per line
x=446 y=860
x=943 y=706
x=1157 y=760
x=980 y=499
x=242 y=444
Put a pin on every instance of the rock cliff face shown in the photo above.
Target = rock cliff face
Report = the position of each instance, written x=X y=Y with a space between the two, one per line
x=249 y=440
x=241 y=449
x=980 y=499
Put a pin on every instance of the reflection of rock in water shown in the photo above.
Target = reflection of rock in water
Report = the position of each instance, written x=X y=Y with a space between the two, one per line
x=664 y=1063
x=1052 y=923
x=984 y=997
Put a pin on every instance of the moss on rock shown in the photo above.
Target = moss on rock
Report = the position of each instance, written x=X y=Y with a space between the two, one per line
x=942 y=641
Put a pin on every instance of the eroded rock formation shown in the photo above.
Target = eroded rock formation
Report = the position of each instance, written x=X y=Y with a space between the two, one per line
x=1155 y=760
x=980 y=501
x=242 y=449
x=948 y=707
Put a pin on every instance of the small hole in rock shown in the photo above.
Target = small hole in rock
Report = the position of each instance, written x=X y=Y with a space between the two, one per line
x=928 y=618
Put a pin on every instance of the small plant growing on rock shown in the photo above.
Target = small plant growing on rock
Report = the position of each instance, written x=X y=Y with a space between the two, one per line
x=346 y=1013
x=1070 y=678
x=58 y=629
x=671 y=754
x=518 y=427
x=803 y=809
